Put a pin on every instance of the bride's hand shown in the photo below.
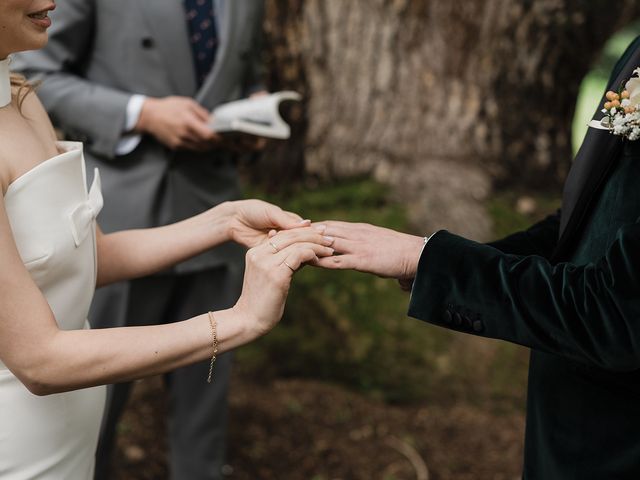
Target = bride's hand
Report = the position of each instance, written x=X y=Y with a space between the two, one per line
x=268 y=272
x=251 y=221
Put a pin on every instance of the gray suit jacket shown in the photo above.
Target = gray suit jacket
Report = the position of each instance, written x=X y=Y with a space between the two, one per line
x=100 y=53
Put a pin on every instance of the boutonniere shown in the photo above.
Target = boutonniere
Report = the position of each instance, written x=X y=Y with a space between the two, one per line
x=622 y=110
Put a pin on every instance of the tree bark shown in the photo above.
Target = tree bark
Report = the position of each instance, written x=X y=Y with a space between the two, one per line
x=443 y=100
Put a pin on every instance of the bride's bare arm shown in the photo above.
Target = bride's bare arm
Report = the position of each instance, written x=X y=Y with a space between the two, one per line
x=136 y=253
x=49 y=360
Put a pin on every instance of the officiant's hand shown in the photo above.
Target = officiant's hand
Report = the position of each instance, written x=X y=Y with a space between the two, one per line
x=371 y=249
x=268 y=272
x=250 y=221
x=180 y=123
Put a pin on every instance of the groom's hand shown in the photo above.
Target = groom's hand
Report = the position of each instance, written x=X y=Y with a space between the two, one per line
x=179 y=123
x=371 y=249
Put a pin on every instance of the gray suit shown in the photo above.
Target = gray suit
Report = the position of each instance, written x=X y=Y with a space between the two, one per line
x=100 y=53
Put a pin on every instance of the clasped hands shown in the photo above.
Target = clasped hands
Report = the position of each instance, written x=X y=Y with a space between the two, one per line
x=348 y=246
x=281 y=242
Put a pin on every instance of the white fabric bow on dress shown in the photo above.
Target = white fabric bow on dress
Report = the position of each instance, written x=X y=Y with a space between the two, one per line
x=83 y=216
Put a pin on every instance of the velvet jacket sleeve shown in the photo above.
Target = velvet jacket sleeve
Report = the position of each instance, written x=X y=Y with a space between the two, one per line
x=540 y=239
x=586 y=313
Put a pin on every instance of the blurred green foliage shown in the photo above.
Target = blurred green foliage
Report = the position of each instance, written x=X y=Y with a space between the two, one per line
x=505 y=217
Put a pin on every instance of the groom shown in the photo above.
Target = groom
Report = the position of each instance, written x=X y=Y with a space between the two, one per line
x=568 y=288
x=134 y=80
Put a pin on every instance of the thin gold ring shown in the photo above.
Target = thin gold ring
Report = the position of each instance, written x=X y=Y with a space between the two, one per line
x=284 y=262
x=275 y=249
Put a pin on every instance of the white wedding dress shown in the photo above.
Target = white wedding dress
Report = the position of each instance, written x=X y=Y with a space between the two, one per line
x=52 y=218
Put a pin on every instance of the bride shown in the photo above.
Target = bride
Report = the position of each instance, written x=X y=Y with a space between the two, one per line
x=52 y=366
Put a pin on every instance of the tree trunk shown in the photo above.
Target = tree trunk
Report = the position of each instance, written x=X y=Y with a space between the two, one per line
x=441 y=99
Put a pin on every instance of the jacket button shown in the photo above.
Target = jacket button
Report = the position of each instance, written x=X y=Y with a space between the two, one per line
x=447 y=317
x=147 y=43
x=478 y=326
x=457 y=319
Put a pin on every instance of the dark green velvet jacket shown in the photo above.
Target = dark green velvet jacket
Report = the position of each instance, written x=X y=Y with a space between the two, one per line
x=568 y=288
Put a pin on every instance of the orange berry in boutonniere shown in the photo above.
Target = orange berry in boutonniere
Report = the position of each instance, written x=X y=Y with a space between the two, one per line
x=611 y=96
x=622 y=110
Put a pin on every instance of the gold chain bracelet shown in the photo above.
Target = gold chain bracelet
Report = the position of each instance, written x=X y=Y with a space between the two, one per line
x=214 y=344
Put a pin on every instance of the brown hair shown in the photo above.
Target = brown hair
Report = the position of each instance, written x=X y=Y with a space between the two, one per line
x=24 y=88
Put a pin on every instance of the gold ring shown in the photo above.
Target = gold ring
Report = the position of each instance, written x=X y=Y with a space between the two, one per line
x=275 y=249
x=290 y=267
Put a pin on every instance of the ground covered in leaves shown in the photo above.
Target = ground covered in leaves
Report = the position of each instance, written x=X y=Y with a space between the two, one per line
x=307 y=430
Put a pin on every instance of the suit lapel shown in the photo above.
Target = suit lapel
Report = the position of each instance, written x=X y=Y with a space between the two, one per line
x=595 y=159
x=167 y=21
x=210 y=94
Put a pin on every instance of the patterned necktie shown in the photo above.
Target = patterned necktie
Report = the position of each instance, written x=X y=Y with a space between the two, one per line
x=203 y=35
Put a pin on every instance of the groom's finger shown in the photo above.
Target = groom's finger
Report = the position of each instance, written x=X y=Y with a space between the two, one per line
x=343 y=246
x=319 y=251
x=286 y=238
x=340 y=229
x=337 y=262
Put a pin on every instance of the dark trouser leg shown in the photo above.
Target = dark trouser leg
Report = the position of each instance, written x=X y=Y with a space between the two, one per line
x=117 y=396
x=198 y=420
x=140 y=302
x=198 y=410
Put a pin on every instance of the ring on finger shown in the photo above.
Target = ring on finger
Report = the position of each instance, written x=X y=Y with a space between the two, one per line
x=284 y=262
x=275 y=248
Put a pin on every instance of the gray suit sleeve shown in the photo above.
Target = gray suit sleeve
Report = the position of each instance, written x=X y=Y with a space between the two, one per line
x=83 y=109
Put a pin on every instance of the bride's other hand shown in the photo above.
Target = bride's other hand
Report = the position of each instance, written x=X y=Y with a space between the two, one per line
x=250 y=221
x=367 y=248
x=268 y=272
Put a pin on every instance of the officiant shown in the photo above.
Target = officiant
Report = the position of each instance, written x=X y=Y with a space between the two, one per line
x=135 y=82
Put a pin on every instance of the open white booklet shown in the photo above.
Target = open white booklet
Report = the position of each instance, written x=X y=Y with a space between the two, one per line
x=258 y=116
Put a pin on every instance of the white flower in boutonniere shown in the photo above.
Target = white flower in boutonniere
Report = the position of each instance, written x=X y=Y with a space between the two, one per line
x=622 y=110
